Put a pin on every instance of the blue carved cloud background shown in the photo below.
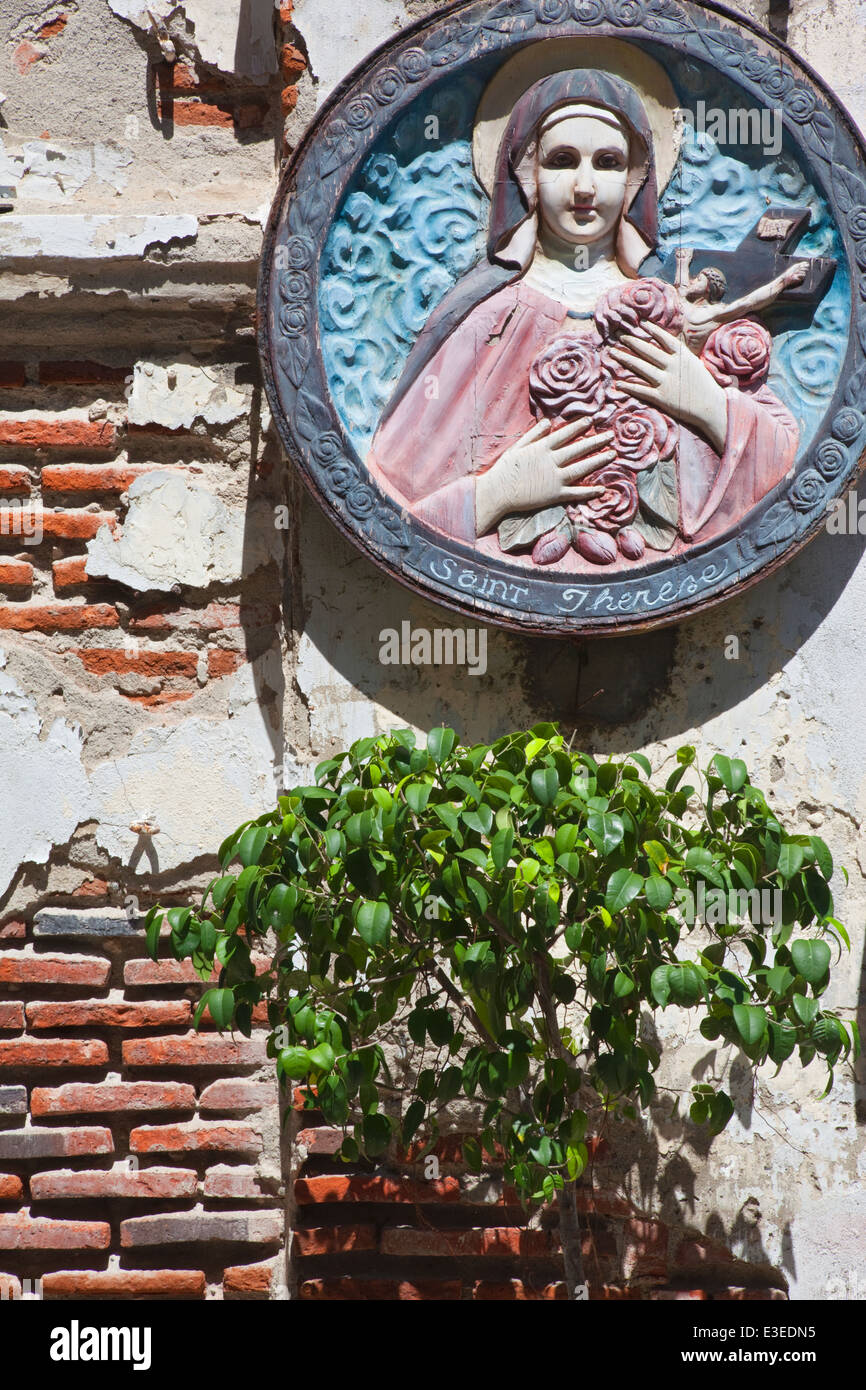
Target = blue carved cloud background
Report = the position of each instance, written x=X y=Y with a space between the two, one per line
x=413 y=220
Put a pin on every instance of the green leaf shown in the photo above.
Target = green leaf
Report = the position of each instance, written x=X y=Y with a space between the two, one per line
x=805 y=1009
x=152 y=925
x=811 y=958
x=221 y=1006
x=659 y=986
x=606 y=830
x=622 y=888
x=545 y=785
x=411 y=1120
x=823 y=857
x=472 y=1154
x=783 y=1040
x=721 y=1110
x=623 y=985
x=791 y=858
x=373 y=921
x=440 y=744
x=417 y=795
x=751 y=1023
x=733 y=773
x=252 y=844
x=659 y=893
x=685 y=984
x=501 y=846
x=642 y=762
x=376 y=1130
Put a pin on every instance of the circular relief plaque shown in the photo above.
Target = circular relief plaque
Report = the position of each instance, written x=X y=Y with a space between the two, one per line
x=563 y=309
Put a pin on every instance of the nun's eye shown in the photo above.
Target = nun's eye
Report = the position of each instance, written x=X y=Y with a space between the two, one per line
x=609 y=159
x=562 y=159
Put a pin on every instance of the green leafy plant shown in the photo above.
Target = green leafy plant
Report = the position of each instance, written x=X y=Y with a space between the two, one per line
x=513 y=911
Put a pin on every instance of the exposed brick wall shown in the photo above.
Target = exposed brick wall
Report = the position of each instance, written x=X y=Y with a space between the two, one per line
x=392 y=1233
x=132 y=1150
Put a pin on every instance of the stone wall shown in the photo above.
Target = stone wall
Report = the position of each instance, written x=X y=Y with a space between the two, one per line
x=170 y=658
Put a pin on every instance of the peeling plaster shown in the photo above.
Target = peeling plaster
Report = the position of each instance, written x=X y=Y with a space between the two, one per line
x=177 y=532
x=48 y=172
x=200 y=778
x=177 y=393
x=233 y=37
x=43 y=784
x=100 y=236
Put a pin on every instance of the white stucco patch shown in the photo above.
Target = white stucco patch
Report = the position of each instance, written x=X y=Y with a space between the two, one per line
x=82 y=237
x=43 y=785
x=177 y=532
x=48 y=172
x=177 y=393
x=339 y=36
x=202 y=778
x=231 y=36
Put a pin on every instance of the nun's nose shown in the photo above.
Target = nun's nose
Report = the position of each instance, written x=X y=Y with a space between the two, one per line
x=584 y=183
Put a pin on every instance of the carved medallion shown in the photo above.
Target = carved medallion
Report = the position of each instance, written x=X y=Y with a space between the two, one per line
x=563 y=309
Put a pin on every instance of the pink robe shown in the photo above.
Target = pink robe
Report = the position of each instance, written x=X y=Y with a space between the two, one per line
x=471 y=403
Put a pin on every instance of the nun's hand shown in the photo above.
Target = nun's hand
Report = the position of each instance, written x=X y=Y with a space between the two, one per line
x=541 y=469
x=675 y=381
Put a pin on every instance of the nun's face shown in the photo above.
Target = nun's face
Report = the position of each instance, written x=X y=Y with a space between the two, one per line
x=582 y=174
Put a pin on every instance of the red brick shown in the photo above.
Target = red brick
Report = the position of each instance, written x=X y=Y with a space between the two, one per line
x=15 y=930
x=645 y=1249
x=506 y=1240
x=21 y=968
x=381 y=1290
x=288 y=100
x=700 y=1255
x=180 y=77
x=52 y=1052
x=603 y=1204
x=230 y=1136
x=194 y=1050
x=26 y=54
x=22 y=1144
x=56 y=617
x=287 y=9
x=749 y=1296
x=337 y=1188
x=68 y=574
x=514 y=1290
x=24 y=1232
x=321 y=1141
x=12 y=374
x=14 y=481
x=76 y=526
x=334 y=1240
x=103 y=661
x=146 y=1183
x=12 y=1017
x=183 y=1227
x=92 y=888
x=677 y=1295
x=81 y=374
x=249 y=1281
x=57 y=434
x=106 y=1015
x=250 y=116
x=201 y=113
x=67 y=478
x=238 y=1095
x=160 y=972
x=10 y=1287
x=122 y=1283
x=52 y=27
x=292 y=61
x=234 y=1184
x=223 y=663
x=11 y=1188
x=111 y=1097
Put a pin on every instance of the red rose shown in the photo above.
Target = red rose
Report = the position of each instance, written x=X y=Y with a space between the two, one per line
x=616 y=506
x=566 y=380
x=738 y=353
x=627 y=307
x=642 y=436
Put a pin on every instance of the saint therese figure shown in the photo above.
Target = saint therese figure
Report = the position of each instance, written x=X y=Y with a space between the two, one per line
x=552 y=408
